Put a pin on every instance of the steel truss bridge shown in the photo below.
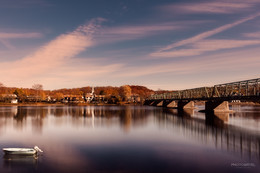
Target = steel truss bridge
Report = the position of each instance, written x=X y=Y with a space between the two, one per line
x=241 y=90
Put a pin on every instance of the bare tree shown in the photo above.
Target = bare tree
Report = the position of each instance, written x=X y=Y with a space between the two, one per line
x=2 y=88
x=38 y=88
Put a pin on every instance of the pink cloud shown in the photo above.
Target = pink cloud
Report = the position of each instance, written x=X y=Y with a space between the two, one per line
x=252 y=35
x=211 y=7
x=55 y=55
x=197 y=44
x=122 y=33
x=208 y=33
x=141 y=30
x=215 y=62
x=6 y=35
x=203 y=46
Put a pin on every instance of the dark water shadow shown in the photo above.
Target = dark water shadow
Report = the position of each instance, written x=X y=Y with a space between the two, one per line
x=215 y=130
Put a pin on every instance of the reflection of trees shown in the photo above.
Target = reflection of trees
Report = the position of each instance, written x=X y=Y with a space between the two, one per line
x=212 y=131
x=6 y=115
x=103 y=115
x=36 y=114
x=78 y=116
x=125 y=118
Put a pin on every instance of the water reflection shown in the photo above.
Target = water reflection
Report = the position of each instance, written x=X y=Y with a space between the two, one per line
x=18 y=163
x=214 y=131
x=89 y=137
x=11 y=158
x=78 y=116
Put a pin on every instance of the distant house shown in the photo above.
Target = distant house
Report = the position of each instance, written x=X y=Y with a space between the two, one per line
x=9 y=98
x=72 y=99
x=32 y=98
x=99 y=98
x=89 y=96
x=14 y=101
x=135 y=98
x=48 y=99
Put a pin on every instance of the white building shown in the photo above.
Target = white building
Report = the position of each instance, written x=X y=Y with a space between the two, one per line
x=90 y=96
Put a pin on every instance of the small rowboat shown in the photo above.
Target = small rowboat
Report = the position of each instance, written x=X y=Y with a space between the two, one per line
x=22 y=151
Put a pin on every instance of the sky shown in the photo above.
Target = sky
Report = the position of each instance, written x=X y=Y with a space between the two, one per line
x=166 y=44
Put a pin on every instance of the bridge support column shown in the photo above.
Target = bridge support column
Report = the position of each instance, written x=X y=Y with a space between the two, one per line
x=160 y=103
x=155 y=102
x=185 y=105
x=217 y=106
x=172 y=104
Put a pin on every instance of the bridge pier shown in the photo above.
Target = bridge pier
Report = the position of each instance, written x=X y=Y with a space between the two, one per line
x=172 y=104
x=155 y=103
x=185 y=105
x=217 y=107
x=160 y=103
x=166 y=103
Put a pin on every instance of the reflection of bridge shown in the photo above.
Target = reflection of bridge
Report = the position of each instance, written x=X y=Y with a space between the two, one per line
x=212 y=133
x=216 y=97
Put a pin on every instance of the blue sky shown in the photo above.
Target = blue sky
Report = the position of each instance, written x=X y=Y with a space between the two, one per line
x=166 y=44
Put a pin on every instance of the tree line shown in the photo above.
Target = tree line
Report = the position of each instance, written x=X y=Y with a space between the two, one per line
x=37 y=93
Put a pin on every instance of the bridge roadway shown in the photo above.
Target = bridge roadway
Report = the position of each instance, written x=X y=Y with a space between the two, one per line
x=216 y=97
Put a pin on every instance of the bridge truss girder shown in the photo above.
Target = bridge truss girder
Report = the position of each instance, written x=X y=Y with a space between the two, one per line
x=247 y=89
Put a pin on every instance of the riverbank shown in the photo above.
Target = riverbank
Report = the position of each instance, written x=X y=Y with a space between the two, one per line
x=66 y=104
x=106 y=104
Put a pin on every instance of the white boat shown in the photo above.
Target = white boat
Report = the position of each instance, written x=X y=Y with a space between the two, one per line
x=22 y=151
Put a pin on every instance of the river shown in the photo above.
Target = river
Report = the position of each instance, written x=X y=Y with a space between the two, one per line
x=130 y=139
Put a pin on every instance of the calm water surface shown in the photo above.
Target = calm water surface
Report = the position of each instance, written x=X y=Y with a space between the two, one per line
x=130 y=139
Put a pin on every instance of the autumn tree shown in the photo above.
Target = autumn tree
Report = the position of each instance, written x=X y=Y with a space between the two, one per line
x=1 y=91
x=58 y=96
x=20 y=94
x=125 y=92
x=102 y=92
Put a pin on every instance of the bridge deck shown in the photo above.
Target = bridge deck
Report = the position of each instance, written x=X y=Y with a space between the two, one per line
x=241 y=90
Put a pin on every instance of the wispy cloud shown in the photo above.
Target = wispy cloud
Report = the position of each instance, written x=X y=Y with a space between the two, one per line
x=56 y=56
x=141 y=30
x=131 y=32
x=215 y=62
x=252 y=35
x=168 y=50
x=206 y=46
x=8 y=35
x=6 y=43
x=220 y=7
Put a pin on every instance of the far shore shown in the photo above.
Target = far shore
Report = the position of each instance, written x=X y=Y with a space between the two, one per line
x=65 y=104
x=104 y=104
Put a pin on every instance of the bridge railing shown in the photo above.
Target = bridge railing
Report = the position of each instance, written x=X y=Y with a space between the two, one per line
x=241 y=88
x=235 y=89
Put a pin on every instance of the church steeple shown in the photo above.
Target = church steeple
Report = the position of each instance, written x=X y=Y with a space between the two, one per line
x=92 y=91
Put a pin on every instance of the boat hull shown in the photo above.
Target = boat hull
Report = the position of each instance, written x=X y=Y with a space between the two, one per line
x=19 y=151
